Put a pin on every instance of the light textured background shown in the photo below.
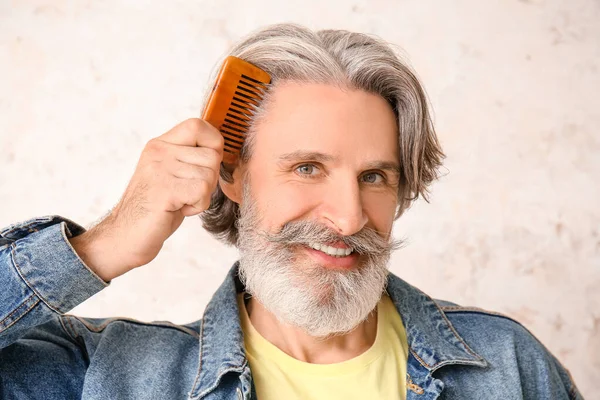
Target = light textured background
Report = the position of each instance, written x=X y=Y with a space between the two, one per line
x=513 y=226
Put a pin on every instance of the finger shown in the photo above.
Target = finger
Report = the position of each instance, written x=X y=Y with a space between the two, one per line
x=188 y=211
x=195 y=132
x=190 y=171
x=203 y=156
x=191 y=192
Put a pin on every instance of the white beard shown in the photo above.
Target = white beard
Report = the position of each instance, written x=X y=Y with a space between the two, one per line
x=300 y=292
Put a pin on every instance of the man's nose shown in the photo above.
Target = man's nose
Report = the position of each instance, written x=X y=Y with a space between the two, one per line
x=343 y=208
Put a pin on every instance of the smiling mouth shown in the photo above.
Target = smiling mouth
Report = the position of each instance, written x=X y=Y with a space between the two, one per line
x=332 y=251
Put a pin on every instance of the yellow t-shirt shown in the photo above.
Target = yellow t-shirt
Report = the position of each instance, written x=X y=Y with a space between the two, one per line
x=378 y=373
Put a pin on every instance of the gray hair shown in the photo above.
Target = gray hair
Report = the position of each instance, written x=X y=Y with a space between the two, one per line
x=290 y=52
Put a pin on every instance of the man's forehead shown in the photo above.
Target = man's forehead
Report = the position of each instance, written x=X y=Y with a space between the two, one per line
x=318 y=117
x=302 y=102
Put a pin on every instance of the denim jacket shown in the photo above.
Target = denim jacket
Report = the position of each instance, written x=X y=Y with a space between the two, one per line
x=454 y=352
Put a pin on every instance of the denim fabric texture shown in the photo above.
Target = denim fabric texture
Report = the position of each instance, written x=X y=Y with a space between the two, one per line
x=454 y=352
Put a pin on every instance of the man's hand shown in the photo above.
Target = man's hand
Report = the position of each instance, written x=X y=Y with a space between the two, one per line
x=174 y=178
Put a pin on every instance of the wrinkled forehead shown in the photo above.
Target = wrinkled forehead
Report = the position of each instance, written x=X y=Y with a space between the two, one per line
x=320 y=117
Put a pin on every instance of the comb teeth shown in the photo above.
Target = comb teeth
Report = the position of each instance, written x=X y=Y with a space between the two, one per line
x=239 y=89
x=247 y=96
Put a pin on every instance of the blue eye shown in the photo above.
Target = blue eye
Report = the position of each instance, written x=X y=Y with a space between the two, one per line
x=373 y=178
x=307 y=169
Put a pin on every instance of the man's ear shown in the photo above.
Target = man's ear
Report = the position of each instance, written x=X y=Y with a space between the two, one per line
x=233 y=190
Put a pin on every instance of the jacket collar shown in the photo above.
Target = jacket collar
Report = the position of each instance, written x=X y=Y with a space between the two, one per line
x=221 y=337
x=432 y=340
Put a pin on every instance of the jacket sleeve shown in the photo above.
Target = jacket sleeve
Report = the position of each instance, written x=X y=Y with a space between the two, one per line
x=41 y=276
x=567 y=380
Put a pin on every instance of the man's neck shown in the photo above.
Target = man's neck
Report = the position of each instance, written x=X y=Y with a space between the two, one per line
x=298 y=344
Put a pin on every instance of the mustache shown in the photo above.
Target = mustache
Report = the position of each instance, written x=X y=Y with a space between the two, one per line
x=367 y=241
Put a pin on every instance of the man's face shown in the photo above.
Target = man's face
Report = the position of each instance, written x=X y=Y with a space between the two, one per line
x=319 y=155
x=322 y=179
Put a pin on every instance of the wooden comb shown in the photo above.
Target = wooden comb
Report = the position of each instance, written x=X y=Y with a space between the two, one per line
x=236 y=94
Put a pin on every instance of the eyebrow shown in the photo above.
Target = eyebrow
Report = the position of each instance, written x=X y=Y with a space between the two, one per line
x=303 y=155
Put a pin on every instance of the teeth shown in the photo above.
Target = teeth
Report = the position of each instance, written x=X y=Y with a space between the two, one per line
x=332 y=251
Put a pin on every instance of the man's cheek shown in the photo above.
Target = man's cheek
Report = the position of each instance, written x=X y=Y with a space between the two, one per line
x=290 y=208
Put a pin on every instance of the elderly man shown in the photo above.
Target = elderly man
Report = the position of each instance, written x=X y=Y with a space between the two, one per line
x=339 y=147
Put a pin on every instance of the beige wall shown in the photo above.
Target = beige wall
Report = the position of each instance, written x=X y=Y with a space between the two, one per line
x=512 y=226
